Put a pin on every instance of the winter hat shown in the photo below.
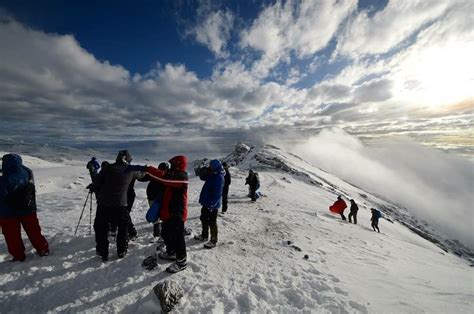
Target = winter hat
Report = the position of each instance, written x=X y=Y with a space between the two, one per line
x=125 y=156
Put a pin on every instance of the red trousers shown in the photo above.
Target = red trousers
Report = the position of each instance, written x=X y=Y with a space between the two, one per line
x=11 y=229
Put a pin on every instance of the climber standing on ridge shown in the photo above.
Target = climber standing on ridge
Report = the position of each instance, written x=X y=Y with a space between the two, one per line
x=254 y=184
x=93 y=167
x=210 y=199
x=353 y=213
x=18 y=208
x=376 y=215
x=174 y=210
x=225 y=189
x=338 y=207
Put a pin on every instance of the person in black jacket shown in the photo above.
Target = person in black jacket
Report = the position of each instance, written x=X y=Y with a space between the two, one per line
x=254 y=183
x=353 y=213
x=375 y=219
x=225 y=189
x=112 y=204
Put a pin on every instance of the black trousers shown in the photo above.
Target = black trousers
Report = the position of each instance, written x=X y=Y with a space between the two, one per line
x=353 y=215
x=253 y=191
x=209 y=221
x=225 y=193
x=111 y=215
x=375 y=224
x=132 y=232
x=172 y=232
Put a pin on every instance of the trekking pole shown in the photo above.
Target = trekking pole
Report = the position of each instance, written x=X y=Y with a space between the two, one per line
x=80 y=218
x=90 y=213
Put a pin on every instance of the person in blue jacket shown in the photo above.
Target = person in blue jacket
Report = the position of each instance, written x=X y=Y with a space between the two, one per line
x=210 y=199
x=18 y=208
x=93 y=167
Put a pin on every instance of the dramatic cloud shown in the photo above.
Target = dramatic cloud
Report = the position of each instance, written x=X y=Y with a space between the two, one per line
x=213 y=31
x=401 y=69
x=387 y=28
x=303 y=28
x=435 y=186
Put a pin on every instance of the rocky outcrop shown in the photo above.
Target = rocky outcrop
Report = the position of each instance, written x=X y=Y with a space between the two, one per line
x=169 y=293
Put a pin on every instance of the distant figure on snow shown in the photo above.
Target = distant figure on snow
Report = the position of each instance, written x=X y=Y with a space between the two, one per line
x=18 y=208
x=210 y=199
x=353 y=213
x=254 y=184
x=338 y=207
x=225 y=189
x=93 y=167
x=376 y=215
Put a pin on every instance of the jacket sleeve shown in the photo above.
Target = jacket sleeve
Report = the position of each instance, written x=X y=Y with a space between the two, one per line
x=157 y=175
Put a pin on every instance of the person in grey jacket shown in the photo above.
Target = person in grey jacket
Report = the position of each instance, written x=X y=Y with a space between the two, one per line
x=112 y=184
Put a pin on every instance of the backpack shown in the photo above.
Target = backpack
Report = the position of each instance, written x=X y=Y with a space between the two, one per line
x=22 y=198
x=378 y=214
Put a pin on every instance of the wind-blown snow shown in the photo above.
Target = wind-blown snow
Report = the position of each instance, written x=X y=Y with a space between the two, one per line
x=259 y=263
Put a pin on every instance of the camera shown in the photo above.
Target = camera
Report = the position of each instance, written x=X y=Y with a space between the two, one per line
x=202 y=171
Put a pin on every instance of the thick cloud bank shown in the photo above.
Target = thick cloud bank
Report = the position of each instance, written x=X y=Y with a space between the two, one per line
x=435 y=186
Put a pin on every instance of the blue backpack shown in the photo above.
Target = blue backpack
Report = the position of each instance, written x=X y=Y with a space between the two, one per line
x=378 y=214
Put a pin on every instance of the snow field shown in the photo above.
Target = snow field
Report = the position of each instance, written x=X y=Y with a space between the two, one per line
x=256 y=267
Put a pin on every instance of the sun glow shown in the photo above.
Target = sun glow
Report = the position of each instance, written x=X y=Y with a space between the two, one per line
x=438 y=75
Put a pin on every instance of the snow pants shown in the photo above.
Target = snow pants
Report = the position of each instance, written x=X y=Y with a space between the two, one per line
x=353 y=215
x=375 y=224
x=209 y=221
x=111 y=215
x=11 y=229
x=132 y=232
x=173 y=235
x=225 y=193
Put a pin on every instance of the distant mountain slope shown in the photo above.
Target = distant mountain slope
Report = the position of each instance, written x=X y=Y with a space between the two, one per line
x=271 y=158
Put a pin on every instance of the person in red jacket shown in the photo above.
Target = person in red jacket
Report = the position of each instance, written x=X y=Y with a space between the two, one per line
x=338 y=207
x=174 y=210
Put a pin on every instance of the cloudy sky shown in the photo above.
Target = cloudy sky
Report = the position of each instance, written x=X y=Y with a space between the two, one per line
x=79 y=71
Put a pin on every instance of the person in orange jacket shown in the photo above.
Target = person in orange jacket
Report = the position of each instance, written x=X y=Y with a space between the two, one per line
x=338 y=207
x=174 y=210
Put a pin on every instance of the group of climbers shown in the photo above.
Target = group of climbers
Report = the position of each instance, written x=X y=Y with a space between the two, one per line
x=340 y=205
x=113 y=185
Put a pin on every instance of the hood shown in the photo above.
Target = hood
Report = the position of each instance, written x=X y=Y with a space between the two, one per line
x=11 y=163
x=216 y=165
x=179 y=163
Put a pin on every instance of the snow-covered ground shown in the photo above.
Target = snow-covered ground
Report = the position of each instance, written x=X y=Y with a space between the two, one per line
x=258 y=265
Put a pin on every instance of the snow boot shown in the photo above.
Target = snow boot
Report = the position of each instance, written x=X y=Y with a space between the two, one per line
x=166 y=256
x=200 y=238
x=210 y=245
x=176 y=268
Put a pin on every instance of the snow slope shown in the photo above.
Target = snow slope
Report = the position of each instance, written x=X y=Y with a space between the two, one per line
x=259 y=264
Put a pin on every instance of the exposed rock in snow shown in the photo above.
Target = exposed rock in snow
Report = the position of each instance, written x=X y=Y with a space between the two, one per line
x=169 y=293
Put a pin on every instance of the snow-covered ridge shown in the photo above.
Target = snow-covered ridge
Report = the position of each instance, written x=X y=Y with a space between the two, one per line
x=283 y=254
x=272 y=158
